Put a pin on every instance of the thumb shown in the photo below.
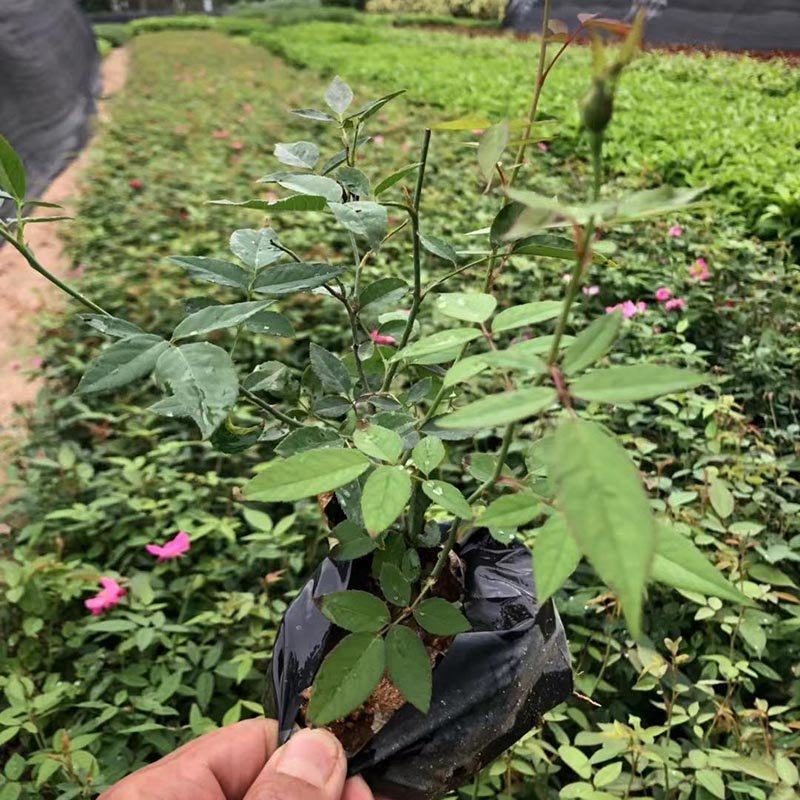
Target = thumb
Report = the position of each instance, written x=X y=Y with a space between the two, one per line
x=310 y=766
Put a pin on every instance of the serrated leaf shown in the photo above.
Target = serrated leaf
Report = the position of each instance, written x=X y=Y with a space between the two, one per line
x=395 y=177
x=124 y=361
x=355 y=611
x=256 y=247
x=203 y=381
x=409 y=667
x=330 y=370
x=447 y=497
x=12 y=170
x=317 y=185
x=440 y=342
x=500 y=409
x=297 y=277
x=338 y=96
x=491 y=147
x=214 y=318
x=634 y=383
x=591 y=344
x=526 y=314
x=555 y=557
x=363 y=218
x=395 y=586
x=378 y=442
x=681 y=564
x=347 y=677
x=297 y=154
x=511 y=511
x=305 y=474
x=428 y=453
x=466 y=306
x=440 y=618
x=302 y=439
x=439 y=247
x=214 y=270
x=600 y=494
x=384 y=497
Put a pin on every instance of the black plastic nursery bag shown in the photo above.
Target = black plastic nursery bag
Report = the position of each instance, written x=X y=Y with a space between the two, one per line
x=492 y=685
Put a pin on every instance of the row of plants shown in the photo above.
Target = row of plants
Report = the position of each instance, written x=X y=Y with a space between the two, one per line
x=705 y=704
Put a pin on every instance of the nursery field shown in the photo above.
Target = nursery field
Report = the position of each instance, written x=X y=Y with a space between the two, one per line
x=707 y=703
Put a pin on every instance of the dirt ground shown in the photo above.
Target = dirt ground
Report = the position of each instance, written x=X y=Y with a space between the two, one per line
x=25 y=294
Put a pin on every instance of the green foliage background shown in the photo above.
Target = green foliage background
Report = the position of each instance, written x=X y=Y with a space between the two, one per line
x=706 y=707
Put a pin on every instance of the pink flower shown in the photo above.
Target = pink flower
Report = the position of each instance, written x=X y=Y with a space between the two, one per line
x=591 y=291
x=676 y=304
x=378 y=140
x=566 y=277
x=543 y=146
x=106 y=598
x=380 y=338
x=221 y=133
x=675 y=231
x=477 y=132
x=14 y=366
x=628 y=308
x=135 y=184
x=36 y=363
x=663 y=294
x=699 y=270
x=173 y=548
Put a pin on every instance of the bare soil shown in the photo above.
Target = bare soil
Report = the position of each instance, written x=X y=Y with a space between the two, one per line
x=26 y=296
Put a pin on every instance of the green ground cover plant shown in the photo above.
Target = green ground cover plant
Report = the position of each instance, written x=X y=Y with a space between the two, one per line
x=707 y=704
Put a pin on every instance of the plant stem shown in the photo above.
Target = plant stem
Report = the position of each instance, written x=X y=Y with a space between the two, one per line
x=537 y=91
x=508 y=435
x=44 y=272
x=271 y=410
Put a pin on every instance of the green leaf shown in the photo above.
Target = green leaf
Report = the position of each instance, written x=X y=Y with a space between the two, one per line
x=373 y=106
x=465 y=369
x=267 y=377
x=363 y=218
x=491 y=147
x=633 y=383
x=607 y=774
x=681 y=564
x=295 y=202
x=347 y=677
x=317 y=185
x=297 y=154
x=386 y=291
x=518 y=356
x=440 y=618
x=353 y=542
x=439 y=247
x=466 y=306
x=555 y=557
x=428 y=453
x=721 y=498
x=12 y=171
x=576 y=760
x=355 y=611
x=437 y=343
x=500 y=409
x=409 y=667
x=338 y=96
x=355 y=181
x=447 y=497
x=711 y=781
x=527 y=314
x=378 y=442
x=111 y=326
x=302 y=439
x=599 y=491
x=384 y=497
x=270 y=323
x=203 y=381
x=395 y=177
x=213 y=270
x=124 y=361
x=312 y=113
x=214 y=318
x=339 y=158
x=305 y=474
x=330 y=370
x=591 y=344
x=297 y=277
x=256 y=247
x=470 y=122
x=511 y=511
x=651 y=203
x=395 y=586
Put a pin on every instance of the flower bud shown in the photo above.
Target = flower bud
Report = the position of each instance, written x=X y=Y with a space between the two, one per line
x=597 y=106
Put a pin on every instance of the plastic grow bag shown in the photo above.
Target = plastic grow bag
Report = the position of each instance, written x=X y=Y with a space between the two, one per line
x=492 y=685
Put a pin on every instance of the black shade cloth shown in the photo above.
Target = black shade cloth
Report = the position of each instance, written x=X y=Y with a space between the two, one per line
x=491 y=687
x=728 y=24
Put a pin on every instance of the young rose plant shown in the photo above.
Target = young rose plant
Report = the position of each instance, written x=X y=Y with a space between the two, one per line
x=372 y=424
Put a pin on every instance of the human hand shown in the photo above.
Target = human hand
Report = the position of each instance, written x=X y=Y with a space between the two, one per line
x=243 y=762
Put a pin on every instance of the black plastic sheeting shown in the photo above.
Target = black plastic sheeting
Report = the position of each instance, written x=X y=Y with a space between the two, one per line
x=728 y=24
x=49 y=77
x=492 y=686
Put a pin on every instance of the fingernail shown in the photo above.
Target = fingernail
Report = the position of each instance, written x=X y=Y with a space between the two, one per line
x=310 y=756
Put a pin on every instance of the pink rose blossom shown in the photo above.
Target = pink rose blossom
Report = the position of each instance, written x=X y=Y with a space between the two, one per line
x=378 y=140
x=699 y=270
x=106 y=598
x=543 y=146
x=173 y=548
x=591 y=291
x=676 y=304
x=663 y=294
x=380 y=338
x=675 y=231
x=628 y=308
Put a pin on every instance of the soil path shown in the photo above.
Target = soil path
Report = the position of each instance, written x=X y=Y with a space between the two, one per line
x=25 y=295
